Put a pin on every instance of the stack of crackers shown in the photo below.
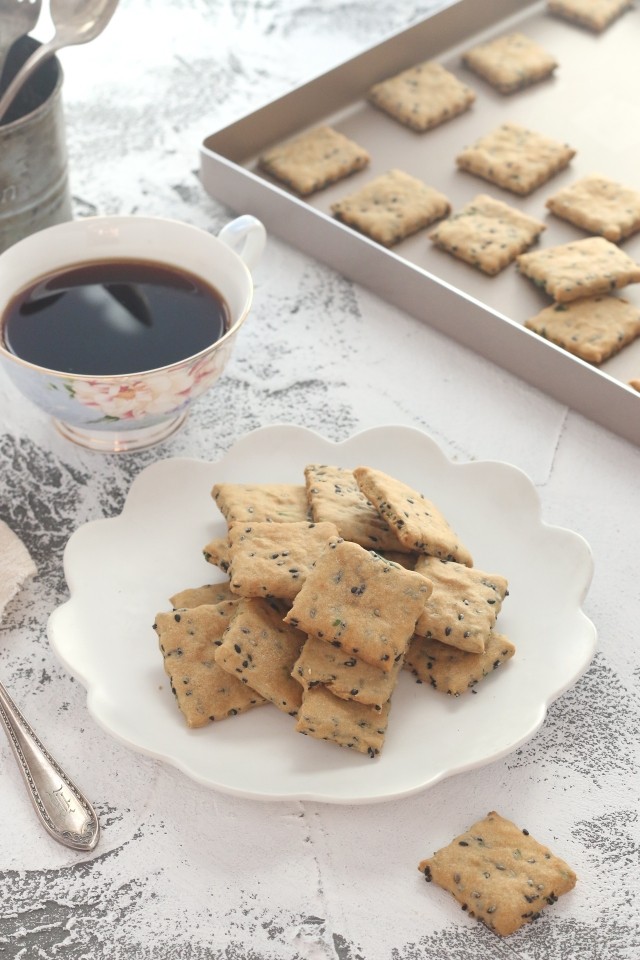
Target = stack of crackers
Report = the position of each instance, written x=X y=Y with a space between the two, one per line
x=586 y=318
x=334 y=585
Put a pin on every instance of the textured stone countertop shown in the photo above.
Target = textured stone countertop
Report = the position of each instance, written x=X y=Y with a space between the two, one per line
x=184 y=871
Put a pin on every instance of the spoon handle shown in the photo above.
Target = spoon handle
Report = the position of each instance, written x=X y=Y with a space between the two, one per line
x=65 y=813
x=25 y=72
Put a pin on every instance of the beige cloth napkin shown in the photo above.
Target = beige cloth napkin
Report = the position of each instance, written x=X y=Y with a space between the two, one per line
x=16 y=565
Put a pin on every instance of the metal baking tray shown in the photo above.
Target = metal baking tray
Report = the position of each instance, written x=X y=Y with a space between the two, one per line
x=591 y=103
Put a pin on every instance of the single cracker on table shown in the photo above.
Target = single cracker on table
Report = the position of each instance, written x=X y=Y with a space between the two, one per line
x=423 y=96
x=594 y=329
x=276 y=502
x=203 y=690
x=260 y=650
x=583 y=268
x=600 y=206
x=454 y=671
x=210 y=593
x=463 y=606
x=344 y=722
x=273 y=559
x=345 y=676
x=217 y=553
x=391 y=207
x=359 y=603
x=515 y=158
x=596 y=15
x=314 y=160
x=511 y=62
x=487 y=234
x=335 y=496
x=499 y=874
x=418 y=523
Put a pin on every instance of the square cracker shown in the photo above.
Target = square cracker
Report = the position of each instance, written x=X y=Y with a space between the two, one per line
x=260 y=650
x=515 y=158
x=596 y=15
x=203 y=690
x=345 y=722
x=455 y=671
x=584 y=268
x=277 y=502
x=345 y=676
x=334 y=496
x=423 y=96
x=273 y=559
x=463 y=605
x=594 y=329
x=499 y=874
x=510 y=62
x=313 y=160
x=210 y=593
x=391 y=207
x=487 y=233
x=419 y=525
x=359 y=603
x=600 y=206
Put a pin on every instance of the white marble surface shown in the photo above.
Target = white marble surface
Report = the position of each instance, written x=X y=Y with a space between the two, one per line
x=182 y=871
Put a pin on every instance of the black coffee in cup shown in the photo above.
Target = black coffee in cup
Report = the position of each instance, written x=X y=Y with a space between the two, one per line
x=113 y=318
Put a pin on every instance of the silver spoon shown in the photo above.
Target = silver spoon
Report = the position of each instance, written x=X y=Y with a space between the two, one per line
x=65 y=813
x=75 y=22
x=18 y=18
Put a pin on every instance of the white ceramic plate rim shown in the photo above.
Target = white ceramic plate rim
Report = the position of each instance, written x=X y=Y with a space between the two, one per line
x=121 y=571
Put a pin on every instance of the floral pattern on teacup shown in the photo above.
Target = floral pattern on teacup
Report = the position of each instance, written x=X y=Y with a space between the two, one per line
x=147 y=396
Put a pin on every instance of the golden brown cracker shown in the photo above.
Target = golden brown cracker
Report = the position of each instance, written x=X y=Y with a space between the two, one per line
x=314 y=160
x=515 y=158
x=359 y=603
x=423 y=96
x=499 y=874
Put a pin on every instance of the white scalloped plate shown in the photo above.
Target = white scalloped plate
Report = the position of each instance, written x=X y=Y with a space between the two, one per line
x=121 y=571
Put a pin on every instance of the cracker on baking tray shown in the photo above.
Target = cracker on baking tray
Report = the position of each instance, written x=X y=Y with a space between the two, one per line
x=463 y=605
x=345 y=722
x=510 y=62
x=273 y=559
x=188 y=640
x=594 y=329
x=391 y=207
x=217 y=553
x=335 y=496
x=596 y=15
x=583 y=268
x=419 y=524
x=344 y=675
x=360 y=603
x=454 y=671
x=515 y=158
x=314 y=160
x=499 y=874
x=260 y=650
x=487 y=234
x=600 y=206
x=423 y=96
x=277 y=502
x=208 y=593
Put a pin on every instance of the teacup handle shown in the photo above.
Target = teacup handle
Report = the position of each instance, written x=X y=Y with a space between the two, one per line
x=247 y=237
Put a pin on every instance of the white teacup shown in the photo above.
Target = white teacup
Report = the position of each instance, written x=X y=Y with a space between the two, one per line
x=122 y=412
